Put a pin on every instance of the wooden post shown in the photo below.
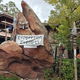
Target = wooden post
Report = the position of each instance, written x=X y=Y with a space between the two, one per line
x=74 y=33
x=75 y=59
x=14 y=29
x=5 y=32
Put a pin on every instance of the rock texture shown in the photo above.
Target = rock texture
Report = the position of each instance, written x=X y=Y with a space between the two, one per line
x=26 y=62
x=21 y=20
x=35 y=24
x=11 y=48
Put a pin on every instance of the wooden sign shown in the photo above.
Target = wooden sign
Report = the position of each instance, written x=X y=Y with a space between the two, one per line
x=30 y=41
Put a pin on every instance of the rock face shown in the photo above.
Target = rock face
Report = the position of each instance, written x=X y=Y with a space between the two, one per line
x=8 y=52
x=26 y=62
x=11 y=48
x=20 y=22
x=35 y=24
x=39 y=53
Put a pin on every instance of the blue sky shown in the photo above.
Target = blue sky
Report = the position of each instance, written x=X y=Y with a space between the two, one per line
x=40 y=7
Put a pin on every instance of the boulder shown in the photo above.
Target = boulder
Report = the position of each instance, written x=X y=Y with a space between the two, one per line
x=9 y=52
x=11 y=48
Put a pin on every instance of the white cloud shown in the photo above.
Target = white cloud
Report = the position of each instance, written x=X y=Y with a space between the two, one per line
x=41 y=8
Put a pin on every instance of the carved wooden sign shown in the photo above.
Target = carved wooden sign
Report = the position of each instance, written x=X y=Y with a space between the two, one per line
x=30 y=41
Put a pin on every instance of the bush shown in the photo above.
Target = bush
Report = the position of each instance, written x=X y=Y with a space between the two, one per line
x=66 y=71
x=8 y=78
x=48 y=74
x=78 y=67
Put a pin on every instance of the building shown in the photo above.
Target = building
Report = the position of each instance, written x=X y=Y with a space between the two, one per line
x=6 y=26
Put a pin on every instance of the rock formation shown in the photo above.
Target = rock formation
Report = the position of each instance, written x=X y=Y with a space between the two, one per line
x=35 y=24
x=26 y=62
x=29 y=63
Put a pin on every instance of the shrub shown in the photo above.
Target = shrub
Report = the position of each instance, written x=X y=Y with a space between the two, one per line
x=8 y=78
x=66 y=70
x=78 y=67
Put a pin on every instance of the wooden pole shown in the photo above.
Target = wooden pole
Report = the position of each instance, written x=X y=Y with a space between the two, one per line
x=14 y=29
x=75 y=51
x=75 y=64
x=75 y=58
x=5 y=31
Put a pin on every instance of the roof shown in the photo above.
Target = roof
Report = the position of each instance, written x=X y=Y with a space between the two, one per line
x=49 y=28
x=7 y=17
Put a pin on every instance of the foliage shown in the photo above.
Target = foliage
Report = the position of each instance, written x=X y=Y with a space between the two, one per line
x=9 y=7
x=48 y=74
x=62 y=35
x=66 y=71
x=78 y=61
x=12 y=8
x=8 y=78
x=65 y=12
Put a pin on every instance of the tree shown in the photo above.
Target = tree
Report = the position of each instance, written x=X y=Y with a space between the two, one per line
x=64 y=14
x=10 y=7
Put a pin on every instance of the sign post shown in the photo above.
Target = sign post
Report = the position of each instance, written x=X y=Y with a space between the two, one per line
x=74 y=34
